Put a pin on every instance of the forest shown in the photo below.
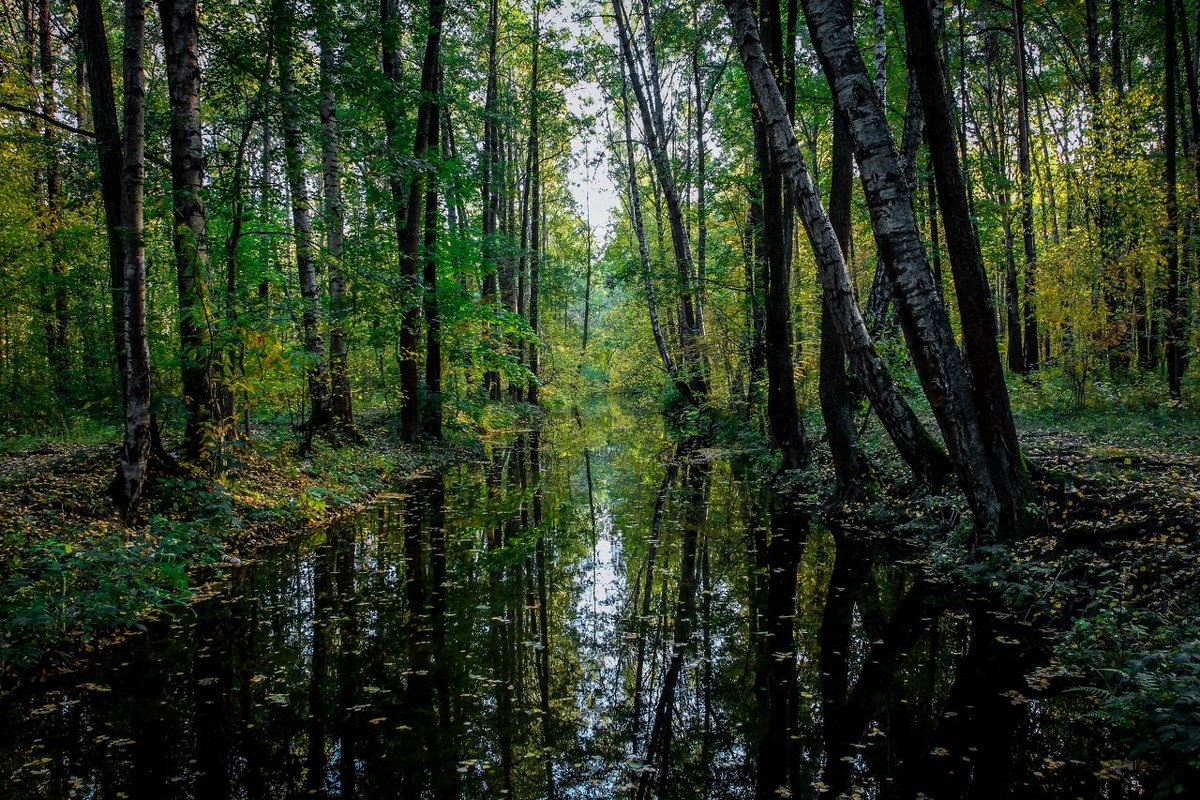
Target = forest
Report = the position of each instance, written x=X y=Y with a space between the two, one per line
x=596 y=398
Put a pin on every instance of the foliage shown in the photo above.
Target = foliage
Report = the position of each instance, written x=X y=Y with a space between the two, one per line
x=1155 y=701
x=75 y=587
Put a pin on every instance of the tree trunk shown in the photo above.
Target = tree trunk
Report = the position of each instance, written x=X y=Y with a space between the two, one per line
x=55 y=293
x=1012 y=304
x=880 y=297
x=1031 y=347
x=783 y=414
x=433 y=321
x=135 y=450
x=1115 y=47
x=410 y=255
x=881 y=53
x=94 y=38
x=204 y=428
x=587 y=292
x=1174 y=309
x=234 y=349
x=391 y=59
x=490 y=193
x=1191 y=248
x=328 y=34
x=1091 y=19
x=639 y=231
x=922 y=315
x=535 y=208
x=653 y=129
x=701 y=174
x=915 y=445
x=836 y=396
x=315 y=369
x=508 y=223
x=755 y=266
x=1003 y=453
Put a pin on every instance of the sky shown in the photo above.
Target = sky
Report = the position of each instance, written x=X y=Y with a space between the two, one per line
x=592 y=184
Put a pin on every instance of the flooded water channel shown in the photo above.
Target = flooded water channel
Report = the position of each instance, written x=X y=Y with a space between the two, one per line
x=590 y=612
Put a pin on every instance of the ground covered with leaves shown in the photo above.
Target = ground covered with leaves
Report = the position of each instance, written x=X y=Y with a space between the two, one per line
x=1111 y=577
x=73 y=574
x=1113 y=572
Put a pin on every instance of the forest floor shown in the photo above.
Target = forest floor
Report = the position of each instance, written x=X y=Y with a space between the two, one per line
x=73 y=575
x=1111 y=576
x=1114 y=573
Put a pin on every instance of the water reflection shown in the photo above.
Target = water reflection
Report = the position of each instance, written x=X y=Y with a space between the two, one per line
x=590 y=612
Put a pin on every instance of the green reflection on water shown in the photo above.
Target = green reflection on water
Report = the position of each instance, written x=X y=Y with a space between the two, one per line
x=592 y=611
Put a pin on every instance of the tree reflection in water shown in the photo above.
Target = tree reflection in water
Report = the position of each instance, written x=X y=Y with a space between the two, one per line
x=591 y=611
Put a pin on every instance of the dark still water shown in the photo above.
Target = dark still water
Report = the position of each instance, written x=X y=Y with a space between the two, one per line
x=589 y=613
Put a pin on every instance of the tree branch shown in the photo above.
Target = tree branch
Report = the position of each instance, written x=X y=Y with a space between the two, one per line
x=47 y=118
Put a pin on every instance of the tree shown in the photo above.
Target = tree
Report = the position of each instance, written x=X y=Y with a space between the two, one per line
x=135 y=450
x=636 y=222
x=1005 y=460
x=645 y=84
x=198 y=359
x=490 y=189
x=783 y=415
x=424 y=143
x=849 y=463
x=316 y=370
x=943 y=373
x=535 y=207
x=1032 y=346
x=109 y=147
x=1174 y=308
x=433 y=322
x=918 y=449
x=341 y=404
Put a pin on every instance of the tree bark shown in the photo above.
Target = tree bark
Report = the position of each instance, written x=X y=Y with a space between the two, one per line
x=653 y=129
x=56 y=310
x=837 y=399
x=433 y=320
x=783 y=413
x=701 y=174
x=1175 y=309
x=410 y=253
x=1092 y=35
x=639 y=231
x=1190 y=246
x=390 y=60
x=755 y=267
x=587 y=292
x=535 y=208
x=1115 y=57
x=881 y=53
x=490 y=193
x=234 y=349
x=880 y=297
x=109 y=150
